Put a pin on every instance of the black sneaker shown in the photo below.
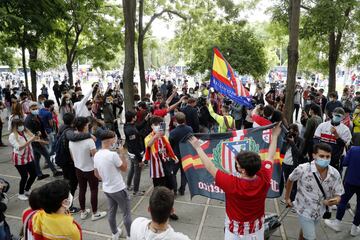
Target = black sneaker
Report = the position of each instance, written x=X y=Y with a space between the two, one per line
x=174 y=217
x=74 y=210
x=57 y=174
x=181 y=192
x=43 y=176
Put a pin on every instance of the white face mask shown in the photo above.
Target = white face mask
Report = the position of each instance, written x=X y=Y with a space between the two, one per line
x=69 y=200
x=20 y=128
x=156 y=128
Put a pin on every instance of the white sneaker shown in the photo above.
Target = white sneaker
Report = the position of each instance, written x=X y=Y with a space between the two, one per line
x=27 y=193
x=98 y=215
x=116 y=236
x=84 y=214
x=23 y=197
x=355 y=230
x=333 y=224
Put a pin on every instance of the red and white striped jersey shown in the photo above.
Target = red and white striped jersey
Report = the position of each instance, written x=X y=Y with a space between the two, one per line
x=23 y=156
x=157 y=154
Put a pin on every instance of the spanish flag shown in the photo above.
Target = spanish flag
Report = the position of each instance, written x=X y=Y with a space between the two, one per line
x=224 y=81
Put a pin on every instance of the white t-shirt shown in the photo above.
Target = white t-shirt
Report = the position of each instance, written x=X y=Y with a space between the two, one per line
x=80 y=152
x=140 y=231
x=107 y=163
x=323 y=131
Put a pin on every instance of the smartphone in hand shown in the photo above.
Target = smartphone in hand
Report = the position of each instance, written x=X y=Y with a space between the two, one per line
x=162 y=126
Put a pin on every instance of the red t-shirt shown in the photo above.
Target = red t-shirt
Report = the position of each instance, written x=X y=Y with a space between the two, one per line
x=245 y=199
x=156 y=105
x=161 y=112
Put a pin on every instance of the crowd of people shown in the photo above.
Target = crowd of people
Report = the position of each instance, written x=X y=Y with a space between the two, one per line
x=79 y=133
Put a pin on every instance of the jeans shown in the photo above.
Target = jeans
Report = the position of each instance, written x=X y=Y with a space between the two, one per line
x=2 y=230
x=183 y=177
x=119 y=199
x=296 y=108
x=134 y=173
x=69 y=172
x=350 y=190
x=84 y=178
x=308 y=227
x=38 y=151
x=28 y=175
x=50 y=147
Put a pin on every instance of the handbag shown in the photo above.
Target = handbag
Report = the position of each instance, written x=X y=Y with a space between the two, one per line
x=327 y=213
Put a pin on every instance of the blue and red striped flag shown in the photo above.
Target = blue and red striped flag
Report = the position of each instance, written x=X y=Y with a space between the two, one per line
x=224 y=81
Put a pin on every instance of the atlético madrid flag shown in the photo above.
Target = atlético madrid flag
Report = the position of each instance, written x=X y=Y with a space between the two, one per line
x=224 y=81
x=222 y=149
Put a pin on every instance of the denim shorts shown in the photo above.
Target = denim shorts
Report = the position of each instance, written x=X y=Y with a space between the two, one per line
x=308 y=227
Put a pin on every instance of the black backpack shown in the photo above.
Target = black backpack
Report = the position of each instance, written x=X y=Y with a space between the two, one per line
x=62 y=152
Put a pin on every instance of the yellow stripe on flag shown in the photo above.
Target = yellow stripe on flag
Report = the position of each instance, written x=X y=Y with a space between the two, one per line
x=220 y=67
x=191 y=161
x=277 y=156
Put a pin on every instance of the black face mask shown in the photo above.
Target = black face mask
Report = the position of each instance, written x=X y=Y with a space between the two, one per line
x=335 y=123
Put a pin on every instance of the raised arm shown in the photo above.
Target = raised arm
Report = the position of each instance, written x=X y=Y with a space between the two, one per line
x=170 y=98
x=217 y=117
x=172 y=107
x=273 y=145
x=204 y=158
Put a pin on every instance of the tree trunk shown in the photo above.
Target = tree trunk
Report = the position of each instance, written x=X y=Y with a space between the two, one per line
x=24 y=66
x=32 y=61
x=141 y=50
x=70 y=72
x=141 y=65
x=333 y=57
x=293 y=57
x=129 y=10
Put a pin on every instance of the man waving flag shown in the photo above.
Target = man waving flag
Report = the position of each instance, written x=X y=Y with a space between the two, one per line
x=224 y=81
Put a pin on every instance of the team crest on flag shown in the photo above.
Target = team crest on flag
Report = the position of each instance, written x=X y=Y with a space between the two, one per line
x=226 y=151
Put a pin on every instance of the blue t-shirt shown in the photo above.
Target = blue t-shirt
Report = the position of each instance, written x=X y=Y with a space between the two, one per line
x=45 y=116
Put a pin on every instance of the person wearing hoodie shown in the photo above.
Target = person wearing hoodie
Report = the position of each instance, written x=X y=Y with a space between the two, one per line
x=161 y=206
